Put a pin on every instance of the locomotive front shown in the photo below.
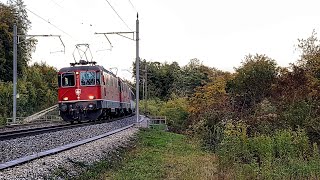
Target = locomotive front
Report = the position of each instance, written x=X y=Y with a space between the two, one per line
x=79 y=93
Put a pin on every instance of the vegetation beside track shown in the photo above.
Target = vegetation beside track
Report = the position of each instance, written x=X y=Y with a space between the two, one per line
x=273 y=110
x=159 y=155
x=37 y=83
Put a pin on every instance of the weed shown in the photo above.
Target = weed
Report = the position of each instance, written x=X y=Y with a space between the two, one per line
x=285 y=154
x=160 y=155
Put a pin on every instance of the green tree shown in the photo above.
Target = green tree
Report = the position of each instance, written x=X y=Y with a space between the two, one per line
x=194 y=74
x=169 y=80
x=310 y=54
x=38 y=83
x=11 y=14
x=252 y=81
x=161 y=77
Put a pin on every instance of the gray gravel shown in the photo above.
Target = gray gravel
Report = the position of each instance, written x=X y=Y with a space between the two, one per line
x=68 y=161
x=16 y=148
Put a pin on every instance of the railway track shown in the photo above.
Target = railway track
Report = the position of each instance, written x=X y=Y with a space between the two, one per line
x=29 y=158
x=35 y=131
x=54 y=150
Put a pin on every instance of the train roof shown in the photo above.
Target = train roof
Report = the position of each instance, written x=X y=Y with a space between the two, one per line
x=85 y=68
x=89 y=68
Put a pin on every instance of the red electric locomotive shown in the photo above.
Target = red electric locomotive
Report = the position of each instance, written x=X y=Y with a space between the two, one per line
x=89 y=92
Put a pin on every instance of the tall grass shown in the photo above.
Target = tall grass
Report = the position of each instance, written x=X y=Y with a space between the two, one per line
x=286 y=154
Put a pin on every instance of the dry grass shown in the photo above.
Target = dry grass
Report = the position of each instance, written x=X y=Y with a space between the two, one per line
x=191 y=166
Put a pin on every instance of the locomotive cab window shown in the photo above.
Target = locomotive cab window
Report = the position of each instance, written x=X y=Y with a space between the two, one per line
x=98 y=78
x=67 y=79
x=88 y=78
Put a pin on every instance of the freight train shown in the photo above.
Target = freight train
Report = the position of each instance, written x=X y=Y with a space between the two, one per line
x=87 y=92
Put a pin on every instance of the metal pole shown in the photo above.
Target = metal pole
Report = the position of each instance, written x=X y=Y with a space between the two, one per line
x=146 y=90
x=14 y=114
x=137 y=68
x=143 y=91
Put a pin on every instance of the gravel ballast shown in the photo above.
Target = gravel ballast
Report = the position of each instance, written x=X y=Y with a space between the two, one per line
x=16 y=148
x=71 y=162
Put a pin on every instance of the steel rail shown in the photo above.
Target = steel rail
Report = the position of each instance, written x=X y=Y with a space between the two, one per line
x=28 y=158
x=35 y=131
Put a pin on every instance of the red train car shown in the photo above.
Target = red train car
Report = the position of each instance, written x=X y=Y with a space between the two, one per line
x=88 y=92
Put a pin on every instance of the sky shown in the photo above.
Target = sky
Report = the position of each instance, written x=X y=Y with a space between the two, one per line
x=219 y=33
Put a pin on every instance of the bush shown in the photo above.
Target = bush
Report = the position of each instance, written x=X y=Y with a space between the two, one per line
x=176 y=112
x=153 y=107
x=3 y=121
x=210 y=136
x=37 y=90
x=297 y=114
x=283 y=155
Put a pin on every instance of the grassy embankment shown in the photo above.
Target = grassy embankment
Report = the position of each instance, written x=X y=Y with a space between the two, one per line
x=159 y=155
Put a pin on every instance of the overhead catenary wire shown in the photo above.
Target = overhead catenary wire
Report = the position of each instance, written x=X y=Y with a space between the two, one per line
x=118 y=15
x=56 y=3
x=71 y=14
x=132 y=6
x=48 y=22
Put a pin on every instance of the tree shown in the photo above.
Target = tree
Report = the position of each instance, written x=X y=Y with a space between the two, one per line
x=309 y=63
x=310 y=54
x=38 y=83
x=291 y=85
x=11 y=14
x=252 y=81
x=208 y=107
x=211 y=101
x=167 y=80
x=194 y=74
x=161 y=78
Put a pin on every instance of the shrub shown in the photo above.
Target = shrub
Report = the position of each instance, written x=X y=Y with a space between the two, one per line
x=176 y=112
x=297 y=114
x=153 y=107
x=210 y=136
x=285 y=154
x=3 y=121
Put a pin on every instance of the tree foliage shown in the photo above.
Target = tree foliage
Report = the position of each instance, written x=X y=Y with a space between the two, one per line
x=176 y=111
x=11 y=14
x=252 y=81
x=37 y=91
x=37 y=86
x=310 y=54
x=170 y=80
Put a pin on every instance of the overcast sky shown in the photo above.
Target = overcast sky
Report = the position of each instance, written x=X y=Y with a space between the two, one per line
x=219 y=33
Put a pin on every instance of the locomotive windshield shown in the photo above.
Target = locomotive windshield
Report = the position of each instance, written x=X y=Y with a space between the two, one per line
x=67 y=79
x=88 y=78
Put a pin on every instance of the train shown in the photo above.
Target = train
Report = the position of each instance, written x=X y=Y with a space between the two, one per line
x=89 y=92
